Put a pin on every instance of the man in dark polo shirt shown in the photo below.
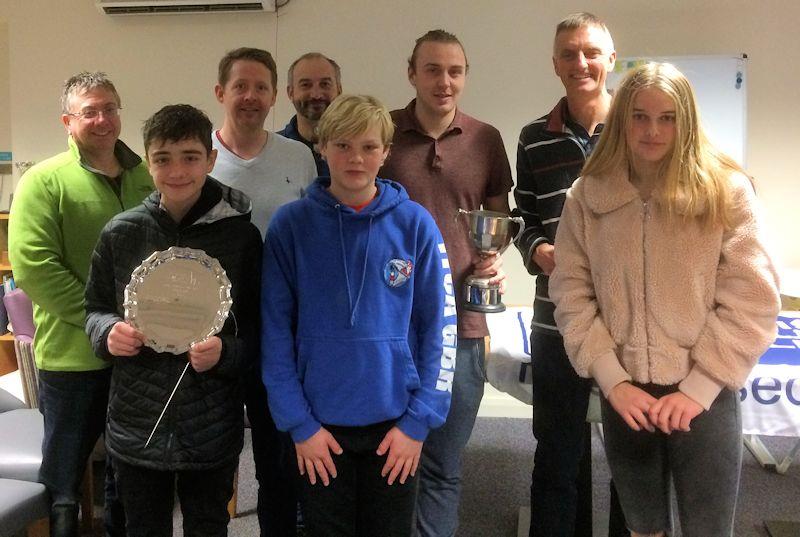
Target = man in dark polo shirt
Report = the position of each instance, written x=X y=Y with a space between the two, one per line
x=314 y=81
x=551 y=153
x=448 y=160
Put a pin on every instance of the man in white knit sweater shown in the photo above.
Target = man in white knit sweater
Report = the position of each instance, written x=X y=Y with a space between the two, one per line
x=271 y=170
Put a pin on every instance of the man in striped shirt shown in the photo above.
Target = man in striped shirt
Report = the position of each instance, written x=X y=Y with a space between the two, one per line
x=551 y=153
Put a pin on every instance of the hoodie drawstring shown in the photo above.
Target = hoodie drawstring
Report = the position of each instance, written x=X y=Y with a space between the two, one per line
x=353 y=307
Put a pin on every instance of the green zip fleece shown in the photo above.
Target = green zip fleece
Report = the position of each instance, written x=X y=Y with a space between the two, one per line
x=60 y=206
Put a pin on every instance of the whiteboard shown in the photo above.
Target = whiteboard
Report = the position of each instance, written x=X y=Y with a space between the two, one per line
x=720 y=84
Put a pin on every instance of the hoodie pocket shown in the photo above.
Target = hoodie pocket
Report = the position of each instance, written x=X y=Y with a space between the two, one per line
x=357 y=382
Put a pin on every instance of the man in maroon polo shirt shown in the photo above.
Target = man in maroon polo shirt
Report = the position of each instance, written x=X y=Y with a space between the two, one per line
x=448 y=160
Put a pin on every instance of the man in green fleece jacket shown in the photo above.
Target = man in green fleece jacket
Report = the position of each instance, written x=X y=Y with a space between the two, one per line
x=60 y=206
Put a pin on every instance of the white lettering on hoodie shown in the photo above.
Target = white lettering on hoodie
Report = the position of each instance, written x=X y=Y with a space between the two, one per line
x=449 y=331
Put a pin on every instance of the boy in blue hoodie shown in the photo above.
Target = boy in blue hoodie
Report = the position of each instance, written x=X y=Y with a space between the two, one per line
x=359 y=330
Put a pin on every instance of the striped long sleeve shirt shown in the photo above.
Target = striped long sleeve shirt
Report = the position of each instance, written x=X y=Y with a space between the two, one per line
x=551 y=153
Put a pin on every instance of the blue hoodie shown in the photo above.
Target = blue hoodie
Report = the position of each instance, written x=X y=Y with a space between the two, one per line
x=358 y=314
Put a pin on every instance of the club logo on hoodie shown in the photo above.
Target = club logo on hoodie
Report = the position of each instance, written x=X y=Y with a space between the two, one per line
x=396 y=272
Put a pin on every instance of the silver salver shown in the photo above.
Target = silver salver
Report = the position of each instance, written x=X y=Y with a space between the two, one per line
x=178 y=297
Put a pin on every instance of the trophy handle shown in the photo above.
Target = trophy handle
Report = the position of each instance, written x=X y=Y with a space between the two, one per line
x=519 y=220
x=521 y=227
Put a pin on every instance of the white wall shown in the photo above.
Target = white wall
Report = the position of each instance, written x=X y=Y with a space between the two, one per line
x=5 y=98
x=163 y=59
x=5 y=111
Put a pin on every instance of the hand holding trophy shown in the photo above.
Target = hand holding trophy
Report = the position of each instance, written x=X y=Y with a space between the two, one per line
x=491 y=233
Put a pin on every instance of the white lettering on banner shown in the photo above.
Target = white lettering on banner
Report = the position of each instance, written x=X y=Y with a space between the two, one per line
x=449 y=332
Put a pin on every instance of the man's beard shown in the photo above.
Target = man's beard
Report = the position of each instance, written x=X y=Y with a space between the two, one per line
x=311 y=110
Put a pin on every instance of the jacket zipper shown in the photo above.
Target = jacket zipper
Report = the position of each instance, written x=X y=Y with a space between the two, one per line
x=645 y=217
x=169 y=448
x=580 y=146
x=105 y=180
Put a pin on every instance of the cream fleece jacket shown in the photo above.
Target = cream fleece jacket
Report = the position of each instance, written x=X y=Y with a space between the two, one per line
x=639 y=297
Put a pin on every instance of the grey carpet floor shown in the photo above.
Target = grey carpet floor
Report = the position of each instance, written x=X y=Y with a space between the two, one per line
x=496 y=479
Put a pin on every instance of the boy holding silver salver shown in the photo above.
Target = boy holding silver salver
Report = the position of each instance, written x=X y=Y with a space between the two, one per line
x=195 y=446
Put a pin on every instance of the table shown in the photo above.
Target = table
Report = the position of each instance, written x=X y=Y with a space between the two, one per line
x=770 y=398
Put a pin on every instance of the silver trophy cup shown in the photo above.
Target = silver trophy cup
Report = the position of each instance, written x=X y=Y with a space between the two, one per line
x=491 y=233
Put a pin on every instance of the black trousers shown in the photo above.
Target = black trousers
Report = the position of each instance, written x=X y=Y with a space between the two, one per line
x=148 y=498
x=561 y=485
x=359 y=502
x=276 y=466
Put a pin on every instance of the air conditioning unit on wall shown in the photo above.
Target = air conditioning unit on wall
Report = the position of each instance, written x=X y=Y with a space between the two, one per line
x=171 y=7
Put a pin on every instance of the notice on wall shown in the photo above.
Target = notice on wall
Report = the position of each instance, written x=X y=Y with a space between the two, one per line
x=720 y=85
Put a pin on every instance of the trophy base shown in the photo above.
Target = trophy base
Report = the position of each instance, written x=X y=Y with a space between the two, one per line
x=484 y=308
x=482 y=297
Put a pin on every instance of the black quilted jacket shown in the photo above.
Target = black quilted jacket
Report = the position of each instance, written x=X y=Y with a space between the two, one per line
x=203 y=426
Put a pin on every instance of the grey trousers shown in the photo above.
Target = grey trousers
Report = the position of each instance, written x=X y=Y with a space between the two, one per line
x=704 y=465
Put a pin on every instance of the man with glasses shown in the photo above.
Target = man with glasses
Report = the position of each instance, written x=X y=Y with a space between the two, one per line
x=60 y=206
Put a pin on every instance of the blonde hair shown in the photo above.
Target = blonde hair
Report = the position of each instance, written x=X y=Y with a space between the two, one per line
x=348 y=115
x=695 y=176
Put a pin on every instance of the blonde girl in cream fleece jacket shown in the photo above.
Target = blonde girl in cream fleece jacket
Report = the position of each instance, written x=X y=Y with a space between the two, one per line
x=666 y=296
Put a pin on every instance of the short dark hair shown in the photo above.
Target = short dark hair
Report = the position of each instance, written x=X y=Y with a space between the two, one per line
x=315 y=56
x=176 y=122
x=436 y=36
x=246 y=53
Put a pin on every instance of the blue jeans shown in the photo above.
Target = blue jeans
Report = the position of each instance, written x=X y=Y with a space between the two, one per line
x=74 y=408
x=561 y=480
x=440 y=476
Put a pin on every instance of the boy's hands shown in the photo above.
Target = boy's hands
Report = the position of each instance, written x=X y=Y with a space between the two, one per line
x=314 y=456
x=205 y=354
x=403 y=457
x=674 y=412
x=633 y=404
x=124 y=340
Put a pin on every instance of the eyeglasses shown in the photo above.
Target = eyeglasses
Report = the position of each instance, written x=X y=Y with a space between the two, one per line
x=109 y=112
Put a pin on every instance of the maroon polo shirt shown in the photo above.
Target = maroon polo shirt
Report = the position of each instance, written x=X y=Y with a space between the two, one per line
x=460 y=169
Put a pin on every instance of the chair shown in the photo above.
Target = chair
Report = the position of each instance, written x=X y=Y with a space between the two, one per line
x=24 y=503
x=20 y=313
